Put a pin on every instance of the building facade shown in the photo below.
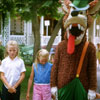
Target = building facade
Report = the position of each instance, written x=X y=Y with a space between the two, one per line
x=21 y=31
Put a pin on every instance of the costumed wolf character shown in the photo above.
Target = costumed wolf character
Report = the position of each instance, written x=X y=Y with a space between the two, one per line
x=68 y=80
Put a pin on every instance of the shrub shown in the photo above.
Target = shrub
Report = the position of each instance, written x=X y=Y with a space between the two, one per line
x=2 y=48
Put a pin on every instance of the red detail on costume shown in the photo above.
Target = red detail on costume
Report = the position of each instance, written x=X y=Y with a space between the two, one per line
x=71 y=44
x=74 y=25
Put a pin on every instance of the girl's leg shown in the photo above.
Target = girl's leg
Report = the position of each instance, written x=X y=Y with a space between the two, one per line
x=37 y=95
x=46 y=92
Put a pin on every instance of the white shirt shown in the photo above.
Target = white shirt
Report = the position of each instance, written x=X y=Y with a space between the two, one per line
x=12 y=69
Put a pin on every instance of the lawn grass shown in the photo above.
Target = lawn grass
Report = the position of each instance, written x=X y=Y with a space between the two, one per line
x=24 y=84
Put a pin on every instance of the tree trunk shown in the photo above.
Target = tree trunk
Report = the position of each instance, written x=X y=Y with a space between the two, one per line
x=54 y=34
x=91 y=32
x=36 y=33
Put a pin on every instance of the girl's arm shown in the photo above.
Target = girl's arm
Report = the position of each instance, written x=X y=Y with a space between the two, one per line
x=4 y=80
x=22 y=76
x=10 y=89
x=30 y=83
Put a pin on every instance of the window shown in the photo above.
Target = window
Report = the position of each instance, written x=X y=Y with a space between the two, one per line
x=17 y=26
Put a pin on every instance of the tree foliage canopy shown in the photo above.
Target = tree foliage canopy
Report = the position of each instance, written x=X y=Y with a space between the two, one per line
x=26 y=8
x=45 y=7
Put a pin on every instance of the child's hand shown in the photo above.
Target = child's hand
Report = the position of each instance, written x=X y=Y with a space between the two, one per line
x=97 y=96
x=27 y=96
x=11 y=90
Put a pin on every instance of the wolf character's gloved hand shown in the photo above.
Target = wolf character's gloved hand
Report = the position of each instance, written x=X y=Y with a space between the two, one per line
x=91 y=95
x=54 y=91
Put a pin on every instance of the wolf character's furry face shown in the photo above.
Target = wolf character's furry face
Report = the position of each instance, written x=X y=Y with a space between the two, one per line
x=76 y=20
x=75 y=24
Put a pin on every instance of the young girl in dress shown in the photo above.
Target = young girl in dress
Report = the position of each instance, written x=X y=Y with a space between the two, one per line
x=12 y=72
x=40 y=74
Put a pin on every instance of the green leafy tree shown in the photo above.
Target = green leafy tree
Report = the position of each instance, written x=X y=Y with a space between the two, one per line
x=32 y=10
x=7 y=8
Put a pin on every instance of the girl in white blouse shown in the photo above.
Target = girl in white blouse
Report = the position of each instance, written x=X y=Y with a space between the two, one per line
x=12 y=72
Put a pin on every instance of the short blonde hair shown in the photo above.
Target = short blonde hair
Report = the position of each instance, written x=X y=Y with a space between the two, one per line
x=42 y=53
x=11 y=43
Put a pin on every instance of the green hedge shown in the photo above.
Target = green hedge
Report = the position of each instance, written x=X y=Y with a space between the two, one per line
x=2 y=48
x=28 y=59
x=26 y=53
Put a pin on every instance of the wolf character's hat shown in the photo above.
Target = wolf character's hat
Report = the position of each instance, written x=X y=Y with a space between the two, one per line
x=80 y=4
